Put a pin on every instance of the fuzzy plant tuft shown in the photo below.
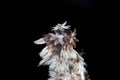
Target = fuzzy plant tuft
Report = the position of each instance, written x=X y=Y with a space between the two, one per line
x=65 y=63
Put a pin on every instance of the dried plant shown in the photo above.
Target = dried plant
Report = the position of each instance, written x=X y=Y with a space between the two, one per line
x=64 y=62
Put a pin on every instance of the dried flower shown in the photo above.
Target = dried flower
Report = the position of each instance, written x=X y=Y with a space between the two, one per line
x=64 y=62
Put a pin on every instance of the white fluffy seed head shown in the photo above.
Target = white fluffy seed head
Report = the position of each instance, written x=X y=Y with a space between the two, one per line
x=60 y=55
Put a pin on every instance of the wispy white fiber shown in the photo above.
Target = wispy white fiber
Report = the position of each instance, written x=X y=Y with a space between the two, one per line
x=39 y=41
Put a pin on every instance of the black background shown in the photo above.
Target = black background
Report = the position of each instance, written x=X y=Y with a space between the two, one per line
x=97 y=38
